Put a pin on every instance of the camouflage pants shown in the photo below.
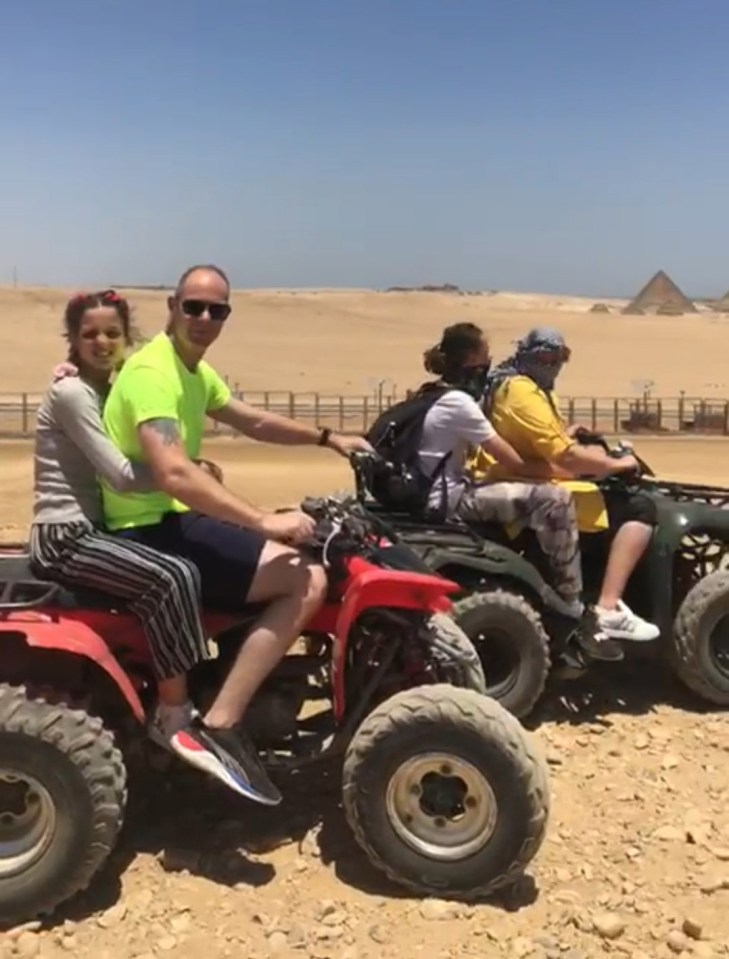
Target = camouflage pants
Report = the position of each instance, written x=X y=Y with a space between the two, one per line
x=547 y=509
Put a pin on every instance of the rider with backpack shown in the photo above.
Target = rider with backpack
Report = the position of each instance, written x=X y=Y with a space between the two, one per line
x=427 y=438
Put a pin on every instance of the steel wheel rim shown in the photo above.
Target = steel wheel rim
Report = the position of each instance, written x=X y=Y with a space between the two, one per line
x=442 y=806
x=27 y=821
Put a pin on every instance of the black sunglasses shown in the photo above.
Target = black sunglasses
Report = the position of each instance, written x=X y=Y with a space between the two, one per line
x=217 y=311
x=559 y=354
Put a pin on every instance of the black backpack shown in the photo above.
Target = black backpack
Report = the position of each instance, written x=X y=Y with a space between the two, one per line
x=396 y=481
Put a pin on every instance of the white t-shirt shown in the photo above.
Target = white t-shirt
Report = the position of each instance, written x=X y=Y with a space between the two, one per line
x=452 y=424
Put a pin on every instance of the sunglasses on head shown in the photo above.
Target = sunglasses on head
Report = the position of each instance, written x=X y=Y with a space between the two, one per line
x=216 y=311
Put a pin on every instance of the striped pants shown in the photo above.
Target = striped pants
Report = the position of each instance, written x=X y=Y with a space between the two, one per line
x=162 y=590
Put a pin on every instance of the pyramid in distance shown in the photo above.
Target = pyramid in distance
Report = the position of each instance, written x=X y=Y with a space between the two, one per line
x=660 y=295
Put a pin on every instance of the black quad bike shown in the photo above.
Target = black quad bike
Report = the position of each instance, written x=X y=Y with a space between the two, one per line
x=520 y=625
x=443 y=789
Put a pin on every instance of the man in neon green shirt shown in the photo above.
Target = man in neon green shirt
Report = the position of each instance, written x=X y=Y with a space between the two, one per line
x=155 y=413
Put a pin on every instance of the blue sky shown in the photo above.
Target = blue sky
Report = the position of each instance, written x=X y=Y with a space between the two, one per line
x=556 y=145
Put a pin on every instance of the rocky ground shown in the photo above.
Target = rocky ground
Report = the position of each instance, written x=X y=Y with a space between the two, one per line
x=636 y=863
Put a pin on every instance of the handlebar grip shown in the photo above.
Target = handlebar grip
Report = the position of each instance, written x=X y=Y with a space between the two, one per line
x=586 y=437
x=312 y=506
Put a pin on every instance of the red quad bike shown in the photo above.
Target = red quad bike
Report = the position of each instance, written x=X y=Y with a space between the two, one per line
x=443 y=788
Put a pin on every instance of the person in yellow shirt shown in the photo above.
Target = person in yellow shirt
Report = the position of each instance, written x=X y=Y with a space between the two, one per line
x=520 y=401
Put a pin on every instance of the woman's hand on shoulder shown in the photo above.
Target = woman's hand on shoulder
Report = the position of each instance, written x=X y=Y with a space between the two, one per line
x=62 y=370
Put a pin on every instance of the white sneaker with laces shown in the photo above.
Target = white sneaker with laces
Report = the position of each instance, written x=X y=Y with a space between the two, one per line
x=623 y=623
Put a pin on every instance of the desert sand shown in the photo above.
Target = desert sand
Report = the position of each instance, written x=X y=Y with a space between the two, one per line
x=345 y=342
x=636 y=863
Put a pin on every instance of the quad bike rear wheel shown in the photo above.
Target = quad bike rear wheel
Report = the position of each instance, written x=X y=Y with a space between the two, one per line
x=700 y=652
x=62 y=800
x=457 y=660
x=513 y=646
x=445 y=792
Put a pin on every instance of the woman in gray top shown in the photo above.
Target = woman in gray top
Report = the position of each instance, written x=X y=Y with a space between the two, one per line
x=68 y=544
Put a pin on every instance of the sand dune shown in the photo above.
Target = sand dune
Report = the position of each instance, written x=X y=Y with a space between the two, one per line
x=344 y=341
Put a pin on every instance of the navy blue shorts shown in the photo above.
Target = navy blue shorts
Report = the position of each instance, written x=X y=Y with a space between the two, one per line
x=624 y=507
x=226 y=555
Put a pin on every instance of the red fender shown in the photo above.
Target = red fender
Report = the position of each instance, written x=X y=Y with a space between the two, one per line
x=372 y=586
x=71 y=635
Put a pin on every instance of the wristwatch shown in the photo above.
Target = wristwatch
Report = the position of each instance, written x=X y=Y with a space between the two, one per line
x=324 y=437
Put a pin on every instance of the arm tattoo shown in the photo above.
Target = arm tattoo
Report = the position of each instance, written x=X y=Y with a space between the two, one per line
x=167 y=429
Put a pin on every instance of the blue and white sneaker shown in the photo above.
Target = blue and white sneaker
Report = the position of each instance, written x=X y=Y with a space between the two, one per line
x=228 y=755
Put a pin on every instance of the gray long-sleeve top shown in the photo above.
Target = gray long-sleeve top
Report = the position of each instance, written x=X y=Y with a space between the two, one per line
x=72 y=450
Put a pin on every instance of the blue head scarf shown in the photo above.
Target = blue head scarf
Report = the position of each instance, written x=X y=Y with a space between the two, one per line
x=530 y=359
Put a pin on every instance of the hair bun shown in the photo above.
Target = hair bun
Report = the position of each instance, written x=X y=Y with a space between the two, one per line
x=434 y=360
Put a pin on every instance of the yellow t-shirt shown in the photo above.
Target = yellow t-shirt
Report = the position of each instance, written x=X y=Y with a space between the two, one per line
x=522 y=414
x=154 y=383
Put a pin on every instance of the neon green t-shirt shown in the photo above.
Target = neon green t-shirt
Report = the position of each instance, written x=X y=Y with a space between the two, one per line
x=154 y=383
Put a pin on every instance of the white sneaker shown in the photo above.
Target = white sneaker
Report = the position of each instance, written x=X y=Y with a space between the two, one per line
x=623 y=623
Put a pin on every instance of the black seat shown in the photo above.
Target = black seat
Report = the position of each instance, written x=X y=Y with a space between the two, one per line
x=425 y=521
x=449 y=533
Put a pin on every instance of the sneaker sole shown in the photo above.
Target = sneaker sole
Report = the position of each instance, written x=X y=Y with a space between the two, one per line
x=202 y=759
x=596 y=654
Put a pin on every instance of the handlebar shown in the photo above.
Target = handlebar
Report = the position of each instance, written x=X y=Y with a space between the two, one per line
x=363 y=464
x=586 y=437
x=344 y=527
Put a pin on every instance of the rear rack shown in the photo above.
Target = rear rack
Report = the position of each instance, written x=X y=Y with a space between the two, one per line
x=694 y=493
x=19 y=588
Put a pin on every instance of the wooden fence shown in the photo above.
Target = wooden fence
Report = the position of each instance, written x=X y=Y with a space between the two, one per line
x=353 y=414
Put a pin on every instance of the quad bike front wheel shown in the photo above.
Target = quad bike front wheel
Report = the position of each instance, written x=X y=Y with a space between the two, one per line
x=700 y=652
x=445 y=792
x=513 y=646
x=62 y=801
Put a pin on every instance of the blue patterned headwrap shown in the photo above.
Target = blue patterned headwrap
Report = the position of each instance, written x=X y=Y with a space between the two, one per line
x=530 y=359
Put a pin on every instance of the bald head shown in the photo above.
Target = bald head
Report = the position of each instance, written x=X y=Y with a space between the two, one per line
x=204 y=272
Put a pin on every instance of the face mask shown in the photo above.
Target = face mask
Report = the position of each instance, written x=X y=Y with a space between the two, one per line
x=543 y=374
x=473 y=380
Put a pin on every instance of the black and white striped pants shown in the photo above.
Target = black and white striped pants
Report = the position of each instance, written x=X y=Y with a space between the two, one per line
x=162 y=590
